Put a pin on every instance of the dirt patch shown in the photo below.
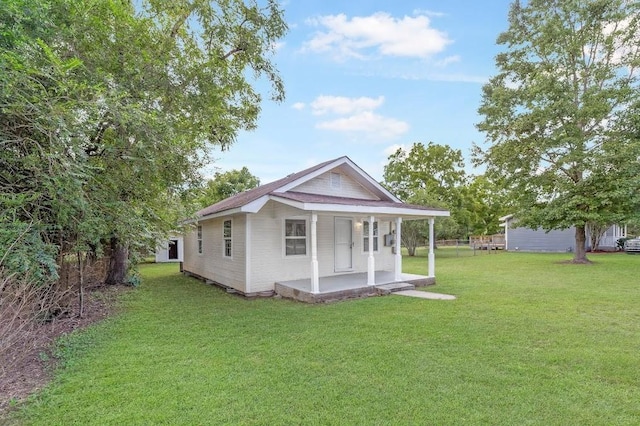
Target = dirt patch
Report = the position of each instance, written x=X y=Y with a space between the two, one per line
x=35 y=362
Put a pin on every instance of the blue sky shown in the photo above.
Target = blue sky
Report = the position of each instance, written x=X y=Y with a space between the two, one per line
x=365 y=77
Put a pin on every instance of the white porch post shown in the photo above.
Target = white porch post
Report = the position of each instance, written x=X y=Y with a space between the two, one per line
x=371 y=263
x=398 y=258
x=432 y=257
x=315 y=280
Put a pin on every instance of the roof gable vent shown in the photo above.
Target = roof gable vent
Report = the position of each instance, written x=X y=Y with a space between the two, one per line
x=336 y=180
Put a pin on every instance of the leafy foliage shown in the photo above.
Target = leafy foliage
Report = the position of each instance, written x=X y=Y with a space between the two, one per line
x=434 y=169
x=561 y=114
x=225 y=185
x=433 y=175
x=109 y=108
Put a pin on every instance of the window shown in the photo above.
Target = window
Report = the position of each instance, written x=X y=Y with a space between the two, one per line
x=226 y=236
x=295 y=237
x=365 y=236
x=200 y=239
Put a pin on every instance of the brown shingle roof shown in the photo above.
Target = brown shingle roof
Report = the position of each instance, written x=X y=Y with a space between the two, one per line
x=246 y=197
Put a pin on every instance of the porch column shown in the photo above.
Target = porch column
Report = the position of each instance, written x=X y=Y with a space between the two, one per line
x=315 y=280
x=371 y=263
x=398 y=258
x=432 y=257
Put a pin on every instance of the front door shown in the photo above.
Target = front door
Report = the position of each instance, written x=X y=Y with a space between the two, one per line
x=343 y=244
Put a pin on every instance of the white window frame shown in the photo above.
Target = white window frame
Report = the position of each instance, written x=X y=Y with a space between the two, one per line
x=227 y=239
x=365 y=236
x=305 y=237
x=199 y=238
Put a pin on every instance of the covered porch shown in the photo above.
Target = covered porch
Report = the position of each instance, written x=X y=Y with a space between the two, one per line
x=352 y=285
x=353 y=223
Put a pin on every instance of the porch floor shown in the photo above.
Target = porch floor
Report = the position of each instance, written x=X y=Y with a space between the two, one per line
x=345 y=286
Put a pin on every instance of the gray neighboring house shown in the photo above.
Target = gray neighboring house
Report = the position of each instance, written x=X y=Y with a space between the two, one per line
x=519 y=238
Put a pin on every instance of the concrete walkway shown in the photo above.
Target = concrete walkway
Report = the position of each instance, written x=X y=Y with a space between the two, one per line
x=425 y=295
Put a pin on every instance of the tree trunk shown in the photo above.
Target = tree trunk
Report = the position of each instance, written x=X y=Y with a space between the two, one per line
x=580 y=252
x=596 y=232
x=118 y=263
x=80 y=286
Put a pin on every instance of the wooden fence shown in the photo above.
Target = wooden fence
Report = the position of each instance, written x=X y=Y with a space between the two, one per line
x=488 y=242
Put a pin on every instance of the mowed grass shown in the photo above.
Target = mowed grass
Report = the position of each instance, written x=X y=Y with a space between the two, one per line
x=529 y=340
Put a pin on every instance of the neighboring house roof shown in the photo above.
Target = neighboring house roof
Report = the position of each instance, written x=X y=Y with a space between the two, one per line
x=253 y=200
x=504 y=220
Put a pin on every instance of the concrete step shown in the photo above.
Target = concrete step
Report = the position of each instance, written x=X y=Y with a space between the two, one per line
x=393 y=287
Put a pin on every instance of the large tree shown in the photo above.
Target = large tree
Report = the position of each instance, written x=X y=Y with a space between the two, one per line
x=559 y=113
x=109 y=108
x=224 y=185
x=432 y=175
x=435 y=169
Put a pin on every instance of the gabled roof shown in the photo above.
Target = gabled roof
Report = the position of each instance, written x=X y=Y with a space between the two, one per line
x=251 y=195
x=251 y=201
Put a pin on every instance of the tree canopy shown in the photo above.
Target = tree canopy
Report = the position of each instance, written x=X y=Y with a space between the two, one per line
x=434 y=175
x=561 y=114
x=432 y=168
x=225 y=185
x=109 y=109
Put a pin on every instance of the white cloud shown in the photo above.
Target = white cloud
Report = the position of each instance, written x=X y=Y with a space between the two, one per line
x=343 y=105
x=428 y=13
x=298 y=105
x=356 y=116
x=448 y=60
x=451 y=77
x=458 y=78
x=374 y=125
x=380 y=34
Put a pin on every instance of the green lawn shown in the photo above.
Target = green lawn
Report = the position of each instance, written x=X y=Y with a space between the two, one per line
x=528 y=341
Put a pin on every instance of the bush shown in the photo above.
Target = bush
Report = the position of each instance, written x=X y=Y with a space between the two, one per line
x=23 y=252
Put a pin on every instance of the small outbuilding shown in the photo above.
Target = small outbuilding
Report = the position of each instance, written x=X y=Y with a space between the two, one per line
x=171 y=249
x=324 y=233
